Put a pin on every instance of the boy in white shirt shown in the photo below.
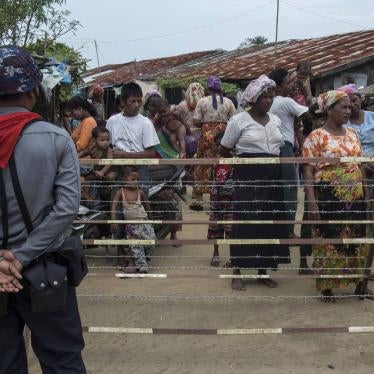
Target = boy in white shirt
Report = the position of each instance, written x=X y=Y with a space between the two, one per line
x=132 y=135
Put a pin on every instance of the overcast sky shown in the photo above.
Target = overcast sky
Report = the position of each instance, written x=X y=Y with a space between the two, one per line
x=215 y=24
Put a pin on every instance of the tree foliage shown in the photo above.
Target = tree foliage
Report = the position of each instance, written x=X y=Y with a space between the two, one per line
x=72 y=57
x=62 y=52
x=249 y=42
x=24 y=21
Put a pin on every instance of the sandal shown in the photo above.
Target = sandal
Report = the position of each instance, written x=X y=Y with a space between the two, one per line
x=215 y=261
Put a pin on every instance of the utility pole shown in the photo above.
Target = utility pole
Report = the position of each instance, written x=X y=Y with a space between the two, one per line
x=45 y=42
x=97 y=53
x=276 y=36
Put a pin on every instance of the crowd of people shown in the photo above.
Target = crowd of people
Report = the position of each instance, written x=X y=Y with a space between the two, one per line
x=275 y=117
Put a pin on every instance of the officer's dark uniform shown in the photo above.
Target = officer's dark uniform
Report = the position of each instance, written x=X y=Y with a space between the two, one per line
x=48 y=172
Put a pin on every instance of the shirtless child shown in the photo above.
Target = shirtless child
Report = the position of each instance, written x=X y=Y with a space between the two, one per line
x=176 y=130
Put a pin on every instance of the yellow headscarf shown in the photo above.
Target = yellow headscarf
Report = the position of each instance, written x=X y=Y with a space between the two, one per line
x=329 y=98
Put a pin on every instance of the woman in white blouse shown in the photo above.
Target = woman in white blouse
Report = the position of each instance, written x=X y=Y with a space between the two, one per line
x=258 y=189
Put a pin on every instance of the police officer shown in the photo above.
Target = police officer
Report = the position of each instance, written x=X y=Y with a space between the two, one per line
x=48 y=173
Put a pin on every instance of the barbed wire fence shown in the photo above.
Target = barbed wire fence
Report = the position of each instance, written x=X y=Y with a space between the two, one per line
x=158 y=272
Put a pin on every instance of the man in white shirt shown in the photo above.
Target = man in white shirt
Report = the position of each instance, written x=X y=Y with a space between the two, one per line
x=132 y=135
x=289 y=112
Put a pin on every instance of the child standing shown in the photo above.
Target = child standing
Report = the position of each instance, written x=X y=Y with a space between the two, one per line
x=135 y=207
x=221 y=202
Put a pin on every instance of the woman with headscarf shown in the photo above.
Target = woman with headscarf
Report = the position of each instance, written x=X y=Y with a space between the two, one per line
x=153 y=104
x=185 y=110
x=360 y=120
x=258 y=190
x=335 y=191
x=211 y=114
x=148 y=106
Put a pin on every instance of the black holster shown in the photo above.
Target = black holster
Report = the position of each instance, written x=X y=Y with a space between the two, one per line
x=47 y=286
x=71 y=255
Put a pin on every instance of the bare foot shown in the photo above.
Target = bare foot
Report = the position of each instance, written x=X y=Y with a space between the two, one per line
x=369 y=294
x=328 y=297
x=292 y=235
x=173 y=236
x=122 y=264
x=215 y=261
x=237 y=284
x=129 y=269
x=268 y=282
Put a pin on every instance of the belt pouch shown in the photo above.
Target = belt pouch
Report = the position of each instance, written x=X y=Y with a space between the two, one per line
x=48 y=287
x=71 y=255
x=4 y=299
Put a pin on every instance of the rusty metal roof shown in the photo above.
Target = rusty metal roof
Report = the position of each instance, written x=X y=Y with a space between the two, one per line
x=119 y=73
x=327 y=54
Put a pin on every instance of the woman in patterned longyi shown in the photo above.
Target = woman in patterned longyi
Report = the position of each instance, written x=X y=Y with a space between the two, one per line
x=211 y=114
x=336 y=192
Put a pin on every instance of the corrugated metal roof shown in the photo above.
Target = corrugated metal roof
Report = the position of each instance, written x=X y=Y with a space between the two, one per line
x=327 y=54
x=139 y=69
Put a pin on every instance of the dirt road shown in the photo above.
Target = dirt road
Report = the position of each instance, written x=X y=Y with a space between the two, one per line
x=262 y=354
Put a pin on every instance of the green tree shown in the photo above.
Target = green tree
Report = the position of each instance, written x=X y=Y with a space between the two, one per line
x=72 y=57
x=24 y=21
x=250 y=42
x=62 y=52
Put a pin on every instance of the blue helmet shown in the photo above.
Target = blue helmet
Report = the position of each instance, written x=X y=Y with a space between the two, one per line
x=18 y=71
